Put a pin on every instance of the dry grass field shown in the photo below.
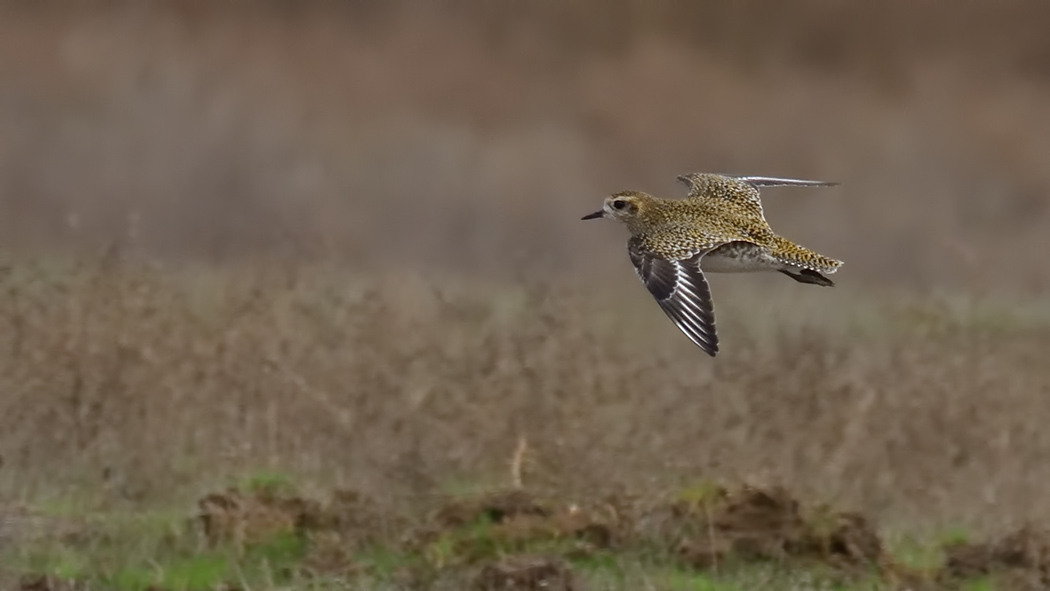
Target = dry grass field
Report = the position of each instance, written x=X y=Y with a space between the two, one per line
x=296 y=296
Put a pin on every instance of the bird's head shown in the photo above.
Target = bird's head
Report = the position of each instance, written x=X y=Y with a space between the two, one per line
x=624 y=206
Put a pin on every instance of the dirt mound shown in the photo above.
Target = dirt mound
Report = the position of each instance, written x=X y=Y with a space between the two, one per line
x=1022 y=558
x=755 y=524
x=260 y=514
x=247 y=518
x=495 y=507
x=513 y=521
x=526 y=573
x=715 y=528
x=335 y=529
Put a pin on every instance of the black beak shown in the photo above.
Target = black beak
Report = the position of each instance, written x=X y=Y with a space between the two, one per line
x=594 y=216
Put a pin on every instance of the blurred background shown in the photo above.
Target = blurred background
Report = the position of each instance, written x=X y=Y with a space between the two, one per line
x=288 y=174
x=460 y=134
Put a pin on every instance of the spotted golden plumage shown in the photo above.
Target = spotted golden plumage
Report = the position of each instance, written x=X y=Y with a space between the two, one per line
x=718 y=228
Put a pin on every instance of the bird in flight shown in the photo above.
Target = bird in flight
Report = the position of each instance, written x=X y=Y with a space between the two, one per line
x=718 y=228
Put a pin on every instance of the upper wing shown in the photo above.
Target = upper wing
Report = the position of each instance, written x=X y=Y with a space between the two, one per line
x=720 y=191
x=682 y=292
x=743 y=190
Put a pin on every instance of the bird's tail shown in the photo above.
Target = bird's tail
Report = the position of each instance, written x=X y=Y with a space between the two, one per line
x=804 y=258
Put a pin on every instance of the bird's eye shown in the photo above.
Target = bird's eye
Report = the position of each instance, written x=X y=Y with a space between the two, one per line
x=619 y=204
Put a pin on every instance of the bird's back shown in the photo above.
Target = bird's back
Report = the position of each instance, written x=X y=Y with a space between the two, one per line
x=720 y=210
x=737 y=221
x=727 y=196
x=710 y=220
x=678 y=228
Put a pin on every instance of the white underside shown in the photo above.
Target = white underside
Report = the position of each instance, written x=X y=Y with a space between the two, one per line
x=714 y=263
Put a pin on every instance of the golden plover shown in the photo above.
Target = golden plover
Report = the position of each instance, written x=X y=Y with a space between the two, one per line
x=718 y=228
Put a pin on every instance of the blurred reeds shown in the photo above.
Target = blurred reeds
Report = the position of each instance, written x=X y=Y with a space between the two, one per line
x=460 y=134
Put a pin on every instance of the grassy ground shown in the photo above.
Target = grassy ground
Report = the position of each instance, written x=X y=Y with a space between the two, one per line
x=263 y=534
x=366 y=422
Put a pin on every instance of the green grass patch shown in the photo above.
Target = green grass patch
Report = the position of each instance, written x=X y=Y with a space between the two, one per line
x=134 y=551
x=267 y=482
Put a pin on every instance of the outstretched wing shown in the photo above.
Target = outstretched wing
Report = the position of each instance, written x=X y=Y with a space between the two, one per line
x=682 y=292
x=722 y=191
x=741 y=190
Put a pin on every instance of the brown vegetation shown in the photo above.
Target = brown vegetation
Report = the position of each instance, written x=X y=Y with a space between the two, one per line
x=144 y=383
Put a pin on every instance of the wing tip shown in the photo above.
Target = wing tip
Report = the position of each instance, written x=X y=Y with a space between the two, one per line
x=700 y=331
x=709 y=347
x=768 y=181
